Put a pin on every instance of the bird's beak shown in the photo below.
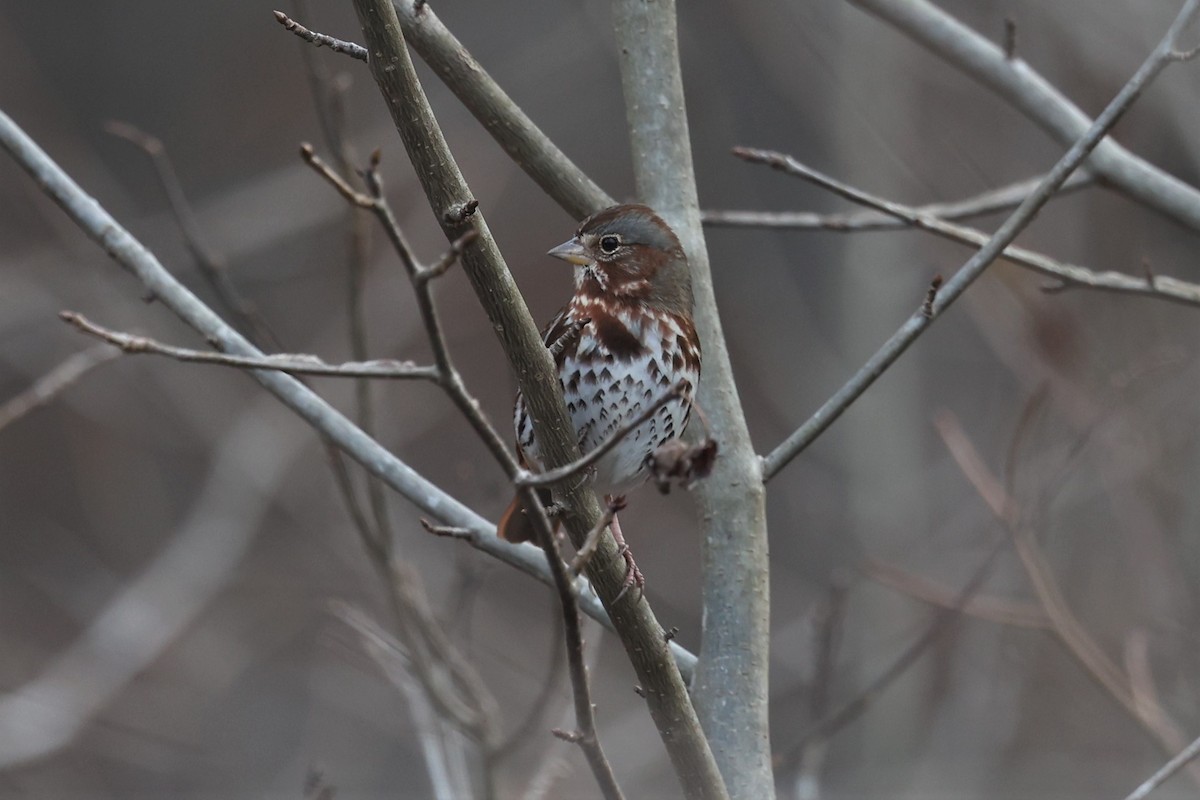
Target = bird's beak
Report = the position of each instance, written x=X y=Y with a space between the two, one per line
x=571 y=251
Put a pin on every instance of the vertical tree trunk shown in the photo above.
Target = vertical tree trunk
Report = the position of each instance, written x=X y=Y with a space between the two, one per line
x=730 y=686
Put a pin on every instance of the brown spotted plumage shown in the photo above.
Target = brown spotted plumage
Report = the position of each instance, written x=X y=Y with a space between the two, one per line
x=625 y=339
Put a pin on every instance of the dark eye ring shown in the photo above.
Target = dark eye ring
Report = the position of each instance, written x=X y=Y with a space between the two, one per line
x=609 y=243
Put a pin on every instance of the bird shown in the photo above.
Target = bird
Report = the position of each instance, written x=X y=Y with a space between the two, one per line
x=624 y=340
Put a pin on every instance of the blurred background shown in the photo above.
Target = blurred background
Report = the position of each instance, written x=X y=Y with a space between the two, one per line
x=149 y=474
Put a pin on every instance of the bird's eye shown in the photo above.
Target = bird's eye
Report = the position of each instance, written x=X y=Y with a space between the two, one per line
x=610 y=243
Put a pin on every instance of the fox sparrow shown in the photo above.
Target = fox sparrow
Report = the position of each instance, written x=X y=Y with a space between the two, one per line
x=622 y=342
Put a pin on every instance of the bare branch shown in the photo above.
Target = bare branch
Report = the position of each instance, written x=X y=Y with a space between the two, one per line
x=1036 y=98
x=512 y=129
x=529 y=559
x=989 y=202
x=356 y=51
x=585 y=718
x=295 y=363
x=1070 y=275
x=975 y=266
x=584 y=553
x=54 y=383
x=449 y=377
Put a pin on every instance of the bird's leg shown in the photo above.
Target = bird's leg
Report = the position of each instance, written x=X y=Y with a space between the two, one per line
x=633 y=575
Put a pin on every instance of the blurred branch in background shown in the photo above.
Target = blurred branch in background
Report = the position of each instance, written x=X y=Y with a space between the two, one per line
x=1063 y=622
x=147 y=613
x=46 y=388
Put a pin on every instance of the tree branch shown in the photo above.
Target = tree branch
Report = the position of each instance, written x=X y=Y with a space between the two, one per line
x=1185 y=757
x=355 y=51
x=989 y=202
x=1069 y=275
x=294 y=363
x=1036 y=98
x=735 y=654
x=1016 y=222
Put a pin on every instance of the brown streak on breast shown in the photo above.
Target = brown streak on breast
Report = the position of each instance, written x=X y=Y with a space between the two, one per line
x=616 y=338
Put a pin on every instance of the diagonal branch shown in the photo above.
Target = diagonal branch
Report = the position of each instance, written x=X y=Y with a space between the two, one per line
x=975 y=266
x=1068 y=275
x=1185 y=756
x=54 y=383
x=1036 y=98
x=356 y=51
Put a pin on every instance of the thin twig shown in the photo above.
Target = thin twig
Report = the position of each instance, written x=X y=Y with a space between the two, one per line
x=1031 y=94
x=214 y=267
x=975 y=266
x=449 y=378
x=356 y=51
x=1002 y=199
x=55 y=382
x=294 y=363
x=554 y=476
x=584 y=553
x=1070 y=275
x=585 y=734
